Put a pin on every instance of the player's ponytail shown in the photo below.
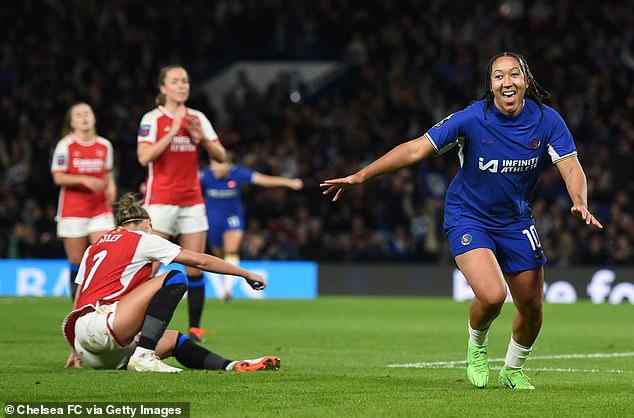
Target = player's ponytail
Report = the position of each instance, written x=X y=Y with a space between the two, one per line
x=129 y=209
x=160 y=99
x=66 y=128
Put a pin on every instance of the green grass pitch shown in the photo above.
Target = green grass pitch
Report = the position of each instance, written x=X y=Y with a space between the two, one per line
x=343 y=356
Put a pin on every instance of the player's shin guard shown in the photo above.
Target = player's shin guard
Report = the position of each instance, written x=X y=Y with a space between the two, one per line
x=161 y=308
x=195 y=298
x=73 y=286
x=191 y=355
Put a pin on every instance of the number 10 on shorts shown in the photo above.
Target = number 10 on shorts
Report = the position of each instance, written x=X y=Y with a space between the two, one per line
x=531 y=234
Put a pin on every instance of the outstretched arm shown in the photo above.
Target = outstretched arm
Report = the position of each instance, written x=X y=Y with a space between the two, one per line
x=214 y=264
x=575 y=179
x=403 y=155
x=277 y=181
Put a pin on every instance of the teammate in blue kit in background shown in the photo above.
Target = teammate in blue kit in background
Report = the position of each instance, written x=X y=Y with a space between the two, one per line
x=221 y=184
x=504 y=140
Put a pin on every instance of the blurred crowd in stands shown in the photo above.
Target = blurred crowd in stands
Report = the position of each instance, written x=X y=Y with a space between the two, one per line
x=406 y=63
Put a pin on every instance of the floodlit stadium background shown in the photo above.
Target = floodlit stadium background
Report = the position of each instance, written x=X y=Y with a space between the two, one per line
x=326 y=87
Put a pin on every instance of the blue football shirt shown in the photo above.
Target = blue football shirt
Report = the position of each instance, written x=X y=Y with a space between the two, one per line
x=500 y=159
x=222 y=196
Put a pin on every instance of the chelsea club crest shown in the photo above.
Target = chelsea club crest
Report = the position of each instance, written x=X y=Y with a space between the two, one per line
x=534 y=143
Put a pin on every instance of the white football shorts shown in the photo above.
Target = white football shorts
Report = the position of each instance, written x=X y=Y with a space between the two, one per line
x=82 y=227
x=175 y=220
x=95 y=343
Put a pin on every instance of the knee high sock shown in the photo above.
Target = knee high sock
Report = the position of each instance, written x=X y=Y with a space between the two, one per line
x=191 y=355
x=74 y=268
x=229 y=280
x=161 y=308
x=195 y=299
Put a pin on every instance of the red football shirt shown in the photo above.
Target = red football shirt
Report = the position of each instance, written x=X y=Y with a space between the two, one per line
x=93 y=158
x=113 y=266
x=173 y=177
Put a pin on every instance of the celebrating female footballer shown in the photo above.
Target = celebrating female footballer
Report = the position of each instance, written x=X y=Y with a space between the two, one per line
x=504 y=140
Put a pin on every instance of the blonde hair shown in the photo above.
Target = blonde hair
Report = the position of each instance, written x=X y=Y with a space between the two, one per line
x=129 y=209
x=160 y=98
x=68 y=116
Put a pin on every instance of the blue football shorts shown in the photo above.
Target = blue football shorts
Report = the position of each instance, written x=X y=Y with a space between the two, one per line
x=218 y=225
x=515 y=249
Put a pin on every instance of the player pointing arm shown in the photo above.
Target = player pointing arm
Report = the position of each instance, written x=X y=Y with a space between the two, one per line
x=504 y=139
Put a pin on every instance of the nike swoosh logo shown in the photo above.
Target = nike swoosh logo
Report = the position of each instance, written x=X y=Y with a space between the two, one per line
x=483 y=142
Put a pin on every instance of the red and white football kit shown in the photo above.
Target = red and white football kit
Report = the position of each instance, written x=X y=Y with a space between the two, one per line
x=94 y=158
x=112 y=267
x=173 y=177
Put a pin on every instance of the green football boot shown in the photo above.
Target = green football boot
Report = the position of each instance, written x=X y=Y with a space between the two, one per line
x=514 y=378
x=477 y=365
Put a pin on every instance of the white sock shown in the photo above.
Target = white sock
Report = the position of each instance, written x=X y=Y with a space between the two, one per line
x=516 y=355
x=477 y=337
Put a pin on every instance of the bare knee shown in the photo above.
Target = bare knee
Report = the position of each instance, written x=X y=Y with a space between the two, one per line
x=492 y=299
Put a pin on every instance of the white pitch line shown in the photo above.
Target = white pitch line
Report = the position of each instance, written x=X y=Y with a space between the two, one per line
x=560 y=369
x=588 y=355
x=9 y=301
x=530 y=369
x=462 y=363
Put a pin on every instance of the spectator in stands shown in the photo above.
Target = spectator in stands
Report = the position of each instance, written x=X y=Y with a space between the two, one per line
x=242 y=101
x=35 y=89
